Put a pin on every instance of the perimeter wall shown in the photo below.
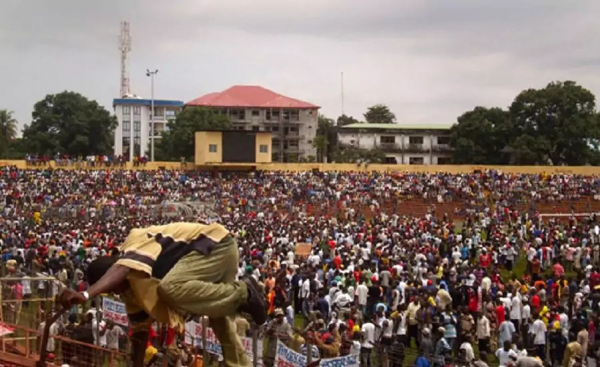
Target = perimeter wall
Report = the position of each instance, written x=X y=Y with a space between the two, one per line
x=298 y=167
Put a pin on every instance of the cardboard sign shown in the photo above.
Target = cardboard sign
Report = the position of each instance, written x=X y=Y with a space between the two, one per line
x=303 y=249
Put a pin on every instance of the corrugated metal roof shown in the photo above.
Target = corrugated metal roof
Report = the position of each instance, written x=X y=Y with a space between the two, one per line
x=147 y=102
x=361 y=125
x=249 y=96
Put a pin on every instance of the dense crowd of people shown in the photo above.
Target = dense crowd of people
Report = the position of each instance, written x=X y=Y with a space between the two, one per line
x=497 y=284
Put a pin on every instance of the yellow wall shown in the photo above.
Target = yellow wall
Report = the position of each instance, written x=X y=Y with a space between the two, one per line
x=202 y=140
x=263 y=139
x=298 y=167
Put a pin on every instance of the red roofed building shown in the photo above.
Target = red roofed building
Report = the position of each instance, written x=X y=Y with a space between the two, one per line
x=293 y=122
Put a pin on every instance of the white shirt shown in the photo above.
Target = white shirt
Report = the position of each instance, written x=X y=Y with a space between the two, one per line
x=525 y=312
x=368 y=331
x=97 y=332
x=112 y=337
x=468 y=348
x=50 y=346
x=362 y=292
x=538 y=329
x=515 y=310
x=504 y=356
x=304 y=291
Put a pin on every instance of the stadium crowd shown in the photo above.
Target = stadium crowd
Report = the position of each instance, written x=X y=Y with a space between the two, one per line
x=497 y=285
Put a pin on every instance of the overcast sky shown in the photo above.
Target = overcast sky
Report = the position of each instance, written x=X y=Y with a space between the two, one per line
x=429 y=60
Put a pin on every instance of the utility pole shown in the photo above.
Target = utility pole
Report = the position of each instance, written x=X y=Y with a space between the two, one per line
x=342 y=93
x=151 y=74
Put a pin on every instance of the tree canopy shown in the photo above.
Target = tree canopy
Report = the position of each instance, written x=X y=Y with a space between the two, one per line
x=556 y=125
x=178 y=140
x=69 y=123
x=379 y=114
x=8 y=132
x=344 y=120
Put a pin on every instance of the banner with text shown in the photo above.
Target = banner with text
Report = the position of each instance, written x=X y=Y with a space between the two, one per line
x=114 y=311
x=286 y=357
x=193 y=336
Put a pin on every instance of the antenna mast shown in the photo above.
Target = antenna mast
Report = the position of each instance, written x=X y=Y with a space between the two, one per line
x=125 y=48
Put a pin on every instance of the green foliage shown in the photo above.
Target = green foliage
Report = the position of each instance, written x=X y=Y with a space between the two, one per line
x=178 y=140
x=380 y=114
x=325 y=139
x=69 y=123
x=479 y=137
x=8 y=132
x=344 y=120
x=556 y=125
x=350 y=154
x=320 y=143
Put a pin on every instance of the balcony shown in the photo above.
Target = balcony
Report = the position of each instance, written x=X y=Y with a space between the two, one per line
x=416 y=148
x=441 y=148
x=390 y=147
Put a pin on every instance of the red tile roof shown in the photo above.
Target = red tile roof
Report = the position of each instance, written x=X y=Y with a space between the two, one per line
x=249 y=96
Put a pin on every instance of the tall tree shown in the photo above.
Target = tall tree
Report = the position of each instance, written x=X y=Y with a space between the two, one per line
x=344 y=120
x=555 y=125
x=69 y=123
x=327 y=129
x=320 y=143
x=380 y=114
x=480 y=136
x=8 y=132
x=178 y=140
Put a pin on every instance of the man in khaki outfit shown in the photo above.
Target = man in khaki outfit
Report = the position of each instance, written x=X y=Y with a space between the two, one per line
x=165 y=273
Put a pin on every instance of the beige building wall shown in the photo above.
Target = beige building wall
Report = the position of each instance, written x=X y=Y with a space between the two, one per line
x=263 y=139
x=203 y=142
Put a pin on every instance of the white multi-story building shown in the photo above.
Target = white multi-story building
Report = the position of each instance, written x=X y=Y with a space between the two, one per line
x=132 y=136
x=293 y=123
x=401 y=144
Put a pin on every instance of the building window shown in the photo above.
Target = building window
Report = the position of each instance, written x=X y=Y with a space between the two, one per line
x=136 y=141
x=415 y=140
x=212 y=148
x=388 y=139
x=444 y=160
x=416 y=160
x=391 y=160
x=136 y=126
x=255 y=128
x=137 y=110
x=237 y=114
x=126 y=126
x=126 y=110
x=170 y=113
x=263 y=148
x=255 y=113
x=295 y=115
x=443 y=140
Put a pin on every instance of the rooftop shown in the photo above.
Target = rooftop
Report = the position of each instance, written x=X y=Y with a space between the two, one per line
x=249 y=96
x=363 y=125
x=147 y=102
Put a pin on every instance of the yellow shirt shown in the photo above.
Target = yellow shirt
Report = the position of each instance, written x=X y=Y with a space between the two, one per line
x=151 y=252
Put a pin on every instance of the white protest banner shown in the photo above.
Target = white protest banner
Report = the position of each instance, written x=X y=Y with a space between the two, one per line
x=193 y=336
x=345 y=361
x=114 y=311
x=286 y=357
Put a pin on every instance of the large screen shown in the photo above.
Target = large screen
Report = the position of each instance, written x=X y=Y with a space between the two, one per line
x=239 y=147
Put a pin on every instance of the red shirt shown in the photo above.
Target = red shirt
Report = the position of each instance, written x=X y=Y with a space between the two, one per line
x=485 y=260
x=500 y=314
x=535 y=302
x=337 y=261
